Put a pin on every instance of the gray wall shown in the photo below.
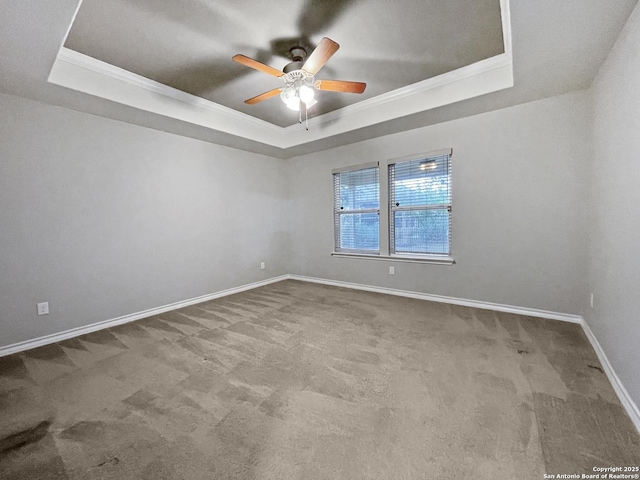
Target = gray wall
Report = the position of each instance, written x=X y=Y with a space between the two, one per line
x=614 y=254
x=519 y=217
x=102 y=218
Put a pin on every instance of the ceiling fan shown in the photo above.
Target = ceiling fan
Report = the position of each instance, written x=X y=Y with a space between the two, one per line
x=299 y=77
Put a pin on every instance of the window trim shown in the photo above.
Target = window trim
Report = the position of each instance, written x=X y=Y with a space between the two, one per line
x=384 y=232
x=337 y=214
x=393 y=209
x=350 y=168
x=405 y=258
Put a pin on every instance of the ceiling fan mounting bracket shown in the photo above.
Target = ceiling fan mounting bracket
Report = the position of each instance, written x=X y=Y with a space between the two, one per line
x=298 y=56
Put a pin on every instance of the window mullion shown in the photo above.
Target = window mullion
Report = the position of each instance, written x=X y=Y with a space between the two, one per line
x=384 y=211
x=391 y=192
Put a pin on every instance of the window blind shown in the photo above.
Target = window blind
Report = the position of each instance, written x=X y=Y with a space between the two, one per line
x=420 y=206
x=356 y=195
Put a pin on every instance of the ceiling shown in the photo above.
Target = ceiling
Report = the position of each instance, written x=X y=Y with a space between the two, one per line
x=188 y=44
x=555 y=47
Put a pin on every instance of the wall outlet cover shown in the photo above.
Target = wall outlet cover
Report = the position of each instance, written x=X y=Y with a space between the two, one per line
x=43 y=308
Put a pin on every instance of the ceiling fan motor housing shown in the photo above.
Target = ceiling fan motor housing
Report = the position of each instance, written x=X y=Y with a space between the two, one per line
x=298 y=56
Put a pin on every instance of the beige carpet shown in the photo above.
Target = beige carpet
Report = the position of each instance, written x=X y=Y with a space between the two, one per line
x=303 y=381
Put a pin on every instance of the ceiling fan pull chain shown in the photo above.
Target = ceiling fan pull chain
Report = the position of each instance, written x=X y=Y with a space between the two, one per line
x=300 y=114
x=306 y=117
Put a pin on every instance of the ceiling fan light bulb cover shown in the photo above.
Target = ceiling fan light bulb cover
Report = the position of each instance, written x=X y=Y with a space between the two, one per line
x=290 y=98
x=306 y=94
x=293 y=104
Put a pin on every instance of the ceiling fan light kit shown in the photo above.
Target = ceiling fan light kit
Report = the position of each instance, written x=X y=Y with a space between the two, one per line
x=299 y=77
x=299 y=87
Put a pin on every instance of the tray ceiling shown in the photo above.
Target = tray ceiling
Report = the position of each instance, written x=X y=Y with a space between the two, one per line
x=188 y=44
x=551 y=48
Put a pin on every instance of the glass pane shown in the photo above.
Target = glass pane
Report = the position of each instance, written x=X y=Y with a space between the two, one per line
x=422 y=231
x=360 y=189
x=422 y=182
x=359 y=231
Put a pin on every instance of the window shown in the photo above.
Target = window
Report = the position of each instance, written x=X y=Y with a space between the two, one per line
x=356 y=194
x=420 y=206
x=413 y=194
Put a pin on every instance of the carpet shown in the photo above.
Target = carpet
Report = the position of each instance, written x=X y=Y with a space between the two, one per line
x=303 y=381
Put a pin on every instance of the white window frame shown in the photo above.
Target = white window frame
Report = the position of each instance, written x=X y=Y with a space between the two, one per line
x=395 y=207
x=338 y=211
x=385 y=253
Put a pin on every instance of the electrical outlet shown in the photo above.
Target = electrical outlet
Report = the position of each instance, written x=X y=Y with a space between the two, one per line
x=262 y=266
x=591 y=300
x=43 y=308
x=392 y=270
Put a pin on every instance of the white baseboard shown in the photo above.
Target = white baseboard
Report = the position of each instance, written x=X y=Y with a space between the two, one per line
x=76 y=332
x=564 y=317
x=626 y=400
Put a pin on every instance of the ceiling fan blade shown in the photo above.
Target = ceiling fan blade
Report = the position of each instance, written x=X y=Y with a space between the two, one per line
x=341 y=86
x=251 y=63
x=323 y=52
x=263 y=96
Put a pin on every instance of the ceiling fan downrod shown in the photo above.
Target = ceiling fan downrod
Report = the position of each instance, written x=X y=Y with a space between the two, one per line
x=298 y=57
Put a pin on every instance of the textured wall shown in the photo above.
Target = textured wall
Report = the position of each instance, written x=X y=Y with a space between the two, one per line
x=102 y=218
x=614 y=255
x=519 y=219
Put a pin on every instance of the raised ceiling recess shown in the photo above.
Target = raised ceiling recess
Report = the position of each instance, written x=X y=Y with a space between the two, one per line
x=188 y=45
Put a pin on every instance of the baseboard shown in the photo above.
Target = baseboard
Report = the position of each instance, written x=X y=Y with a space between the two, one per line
x=532 y=312
x=626 y=400
x=75 y=332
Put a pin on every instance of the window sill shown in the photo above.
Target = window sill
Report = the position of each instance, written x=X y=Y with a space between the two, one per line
x=432 y=259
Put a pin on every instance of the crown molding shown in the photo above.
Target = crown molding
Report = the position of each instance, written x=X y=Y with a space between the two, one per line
x=80 y=72
x=98 y=66
x=417 y=92
x=505 y=12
